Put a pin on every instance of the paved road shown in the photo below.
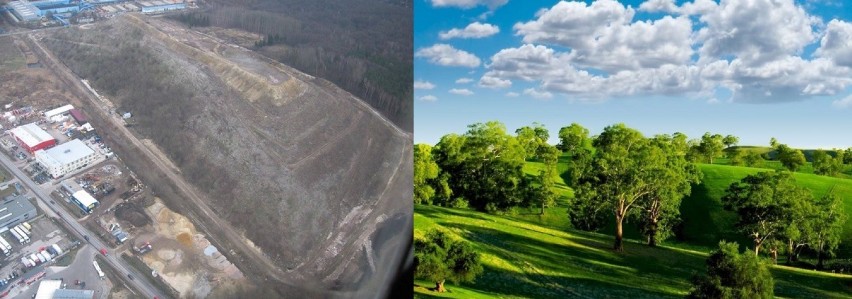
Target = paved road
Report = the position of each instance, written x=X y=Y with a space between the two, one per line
x=79 y=231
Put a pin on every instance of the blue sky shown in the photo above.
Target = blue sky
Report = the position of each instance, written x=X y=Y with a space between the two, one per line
x=660 y=67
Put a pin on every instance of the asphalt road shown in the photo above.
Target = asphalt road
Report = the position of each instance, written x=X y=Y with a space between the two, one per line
x=79 y=231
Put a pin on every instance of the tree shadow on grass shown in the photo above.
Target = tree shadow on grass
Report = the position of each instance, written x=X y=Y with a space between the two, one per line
x=435 y=212
x=589 y=267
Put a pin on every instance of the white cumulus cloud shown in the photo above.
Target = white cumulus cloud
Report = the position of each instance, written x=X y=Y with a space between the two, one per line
x=537 y=94
x=465 y=4
x=419 y=84
x=604 y=36
x=463 y=91
x=843 y=103
x=428 y=98
x=464 y=80
x=836 y=44
x=446 y=55
x=598 y=51
x=474 y=30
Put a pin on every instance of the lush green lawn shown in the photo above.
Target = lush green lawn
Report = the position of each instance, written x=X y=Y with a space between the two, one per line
x=522 y=259
x=554 y=217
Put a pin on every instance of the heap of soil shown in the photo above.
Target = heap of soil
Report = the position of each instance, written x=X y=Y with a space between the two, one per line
x=132 y=213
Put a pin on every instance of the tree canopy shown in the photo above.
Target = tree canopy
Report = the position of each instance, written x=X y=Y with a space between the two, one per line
x=485 y=166
x=731 y=274
x=440 y=258
x=425 y=169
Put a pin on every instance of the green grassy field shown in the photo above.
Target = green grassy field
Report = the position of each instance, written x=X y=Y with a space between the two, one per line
x=522 y=259
x=705 y=222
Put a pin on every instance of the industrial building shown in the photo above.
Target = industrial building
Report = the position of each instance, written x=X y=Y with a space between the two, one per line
x=14 y=210
x=79 y=116
x=52 y=289
x=84 y=201
x=24 y=10
x=58 y=112
x=32 y=138
x=33 y=10
x=159 y=6
x=65 y=158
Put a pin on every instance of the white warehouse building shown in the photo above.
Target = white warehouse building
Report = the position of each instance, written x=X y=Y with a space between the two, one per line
x=65 y=158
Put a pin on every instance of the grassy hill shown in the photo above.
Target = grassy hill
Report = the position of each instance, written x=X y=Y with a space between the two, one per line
x=524 y=259
x=705 y=222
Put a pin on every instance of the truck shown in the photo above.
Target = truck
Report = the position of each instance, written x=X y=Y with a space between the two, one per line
x=17 y=236
x=5 y=244
x=47 y=255
x=24 y=229
x=98 y=268
x=41 y=257
x=24 y=237
x=35 y=258
x=26 y=262
x=27 y=225
x=57 y=249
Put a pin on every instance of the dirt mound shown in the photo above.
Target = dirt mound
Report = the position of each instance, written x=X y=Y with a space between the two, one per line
x=285 y=163
x=133 y=213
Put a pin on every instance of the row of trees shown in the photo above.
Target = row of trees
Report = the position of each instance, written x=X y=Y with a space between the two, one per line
x=777 y=214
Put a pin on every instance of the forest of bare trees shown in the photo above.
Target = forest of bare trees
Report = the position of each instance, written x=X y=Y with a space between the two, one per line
x=363 y=46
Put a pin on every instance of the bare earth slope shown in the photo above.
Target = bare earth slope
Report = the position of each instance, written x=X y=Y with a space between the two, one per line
x=306 y=171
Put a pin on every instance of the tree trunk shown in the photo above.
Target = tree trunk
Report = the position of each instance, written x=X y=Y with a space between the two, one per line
x=756 y=246
x=652 y=234
x=789 y=252
x=439 y=286
x=619 y=244
x=774 y=252
x=819 y=259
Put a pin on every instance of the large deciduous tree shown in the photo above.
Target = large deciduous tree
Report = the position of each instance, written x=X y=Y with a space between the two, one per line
x=825 y=164
x=670 y=182
x=763 y=203
x=545 y=196
x=485 y=166
x=425 y=169
x=711 y=146
x=440 y=258
x=532 y=138
x=790 y=158
x=622 y=173
x=827 y=226
x=572 y=138
x=730 y=140
x=731 y=274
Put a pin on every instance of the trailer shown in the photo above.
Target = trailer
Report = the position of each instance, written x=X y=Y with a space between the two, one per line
x=5 y=244
x=21 y=232
x=41 y=258
x=26 y=262
x=17 y=236
x=24 y=229
x=35 y=258
x=27 y=225
x=98 y=268
x=57 y=249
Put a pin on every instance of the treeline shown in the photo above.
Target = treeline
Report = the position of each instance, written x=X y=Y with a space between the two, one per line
x=621 y=175
x=363 y=46
x=192 y=19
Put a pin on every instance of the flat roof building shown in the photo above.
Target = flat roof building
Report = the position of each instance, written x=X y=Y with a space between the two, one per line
x=84 y=201
x=58 y=111
x=65 y=158
x=52 y=289
x=79 y=116
x=24 y=10
x=162 y=6
x=32 y=138
x=14 y=210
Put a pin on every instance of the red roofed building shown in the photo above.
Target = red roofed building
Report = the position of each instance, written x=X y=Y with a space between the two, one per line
x=32 y=138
